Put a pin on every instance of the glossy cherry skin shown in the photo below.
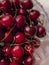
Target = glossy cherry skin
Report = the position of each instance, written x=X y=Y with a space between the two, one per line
x=36 y=42
x=14 y=63
x=4 y=5
x=21 y=11
x=29 y=31
x=4 y=62
x=28 y=60
x=26 y=4
x=29 y=48
x=7 y=21
x=19 y=38
x=20 y=21
x=33 y=15
x=7 y=50
x=17 y=51
x=41 y=31
x=8 y=37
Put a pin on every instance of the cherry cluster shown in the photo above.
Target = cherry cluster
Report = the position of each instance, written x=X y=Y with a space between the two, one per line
x=20 y=30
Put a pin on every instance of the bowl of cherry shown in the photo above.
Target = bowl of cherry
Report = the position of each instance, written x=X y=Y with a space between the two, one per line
x=23 y=24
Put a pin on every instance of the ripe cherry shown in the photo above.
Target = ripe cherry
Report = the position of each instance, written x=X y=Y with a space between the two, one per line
x=7 y=21
x=29 y=48
x=21 y=11
x=26 y=4
x=8 y=37
x=19 y=38
x=28 y=60
x=34 y=14
x=29 y=31
x=17 y=51
x=41 y=31
x=20 y=21
x=4 y=5
x=14 y=63
x=7 y=50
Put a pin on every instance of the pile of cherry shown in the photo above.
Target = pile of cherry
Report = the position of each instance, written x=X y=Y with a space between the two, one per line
x=20 y=30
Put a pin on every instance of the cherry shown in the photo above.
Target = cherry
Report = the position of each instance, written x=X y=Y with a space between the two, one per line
x=19 y=38
x=7 y=21
x=4 y=62
x=4 y=5
x=36 y=42
x=7 y=50
x=26 y=4
x=21 y=11
x=28 y=60
x=8 y=37
x=17 y=51
x=29 y=31
x=29 y=48
x=14 y=63
x=20 y=20
x=41 y=31
x=34 y=14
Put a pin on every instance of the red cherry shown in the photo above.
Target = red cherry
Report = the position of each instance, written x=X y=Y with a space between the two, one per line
x=20 y=20
x=4 y=62
x=21 y=11
x=26 y=4
x=14 y=63
x=41 y=31
x=34 y=14
x=19 y=38
x=7 y=50
x=28 y=60
x=8 y=37
x=17 y=51
x=29 y=48
x=29 y=31
x=4 y=5
x=7 y=21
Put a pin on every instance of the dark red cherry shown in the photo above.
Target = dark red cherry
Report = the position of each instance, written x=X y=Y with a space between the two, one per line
x=36 y=42
x=21 y=11
x=28 y=60
x=4 y=62
x=41 y=31
x=14 y=63
x=29 y=48
x=19 y=38
x=26 y=4
x=17 y=51
x=34 y=14
x=7 y=50
x=29 y=31
x=4 y=5
x=8 y=37
x=20 y=21
x=7 y=21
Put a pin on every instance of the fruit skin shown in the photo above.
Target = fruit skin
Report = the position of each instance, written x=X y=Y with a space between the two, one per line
x=7 y=21
x=19 y=38
x=17 y=51
x=26 y=4
x=20 y=21
x=21 y=11
x=7 y=50
x=41 y=31
x=4 y=5
x=8 y=37
x=29 y=48
x=29 y=31
x=14 y=63
x=28 y=60
x=33 y=15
